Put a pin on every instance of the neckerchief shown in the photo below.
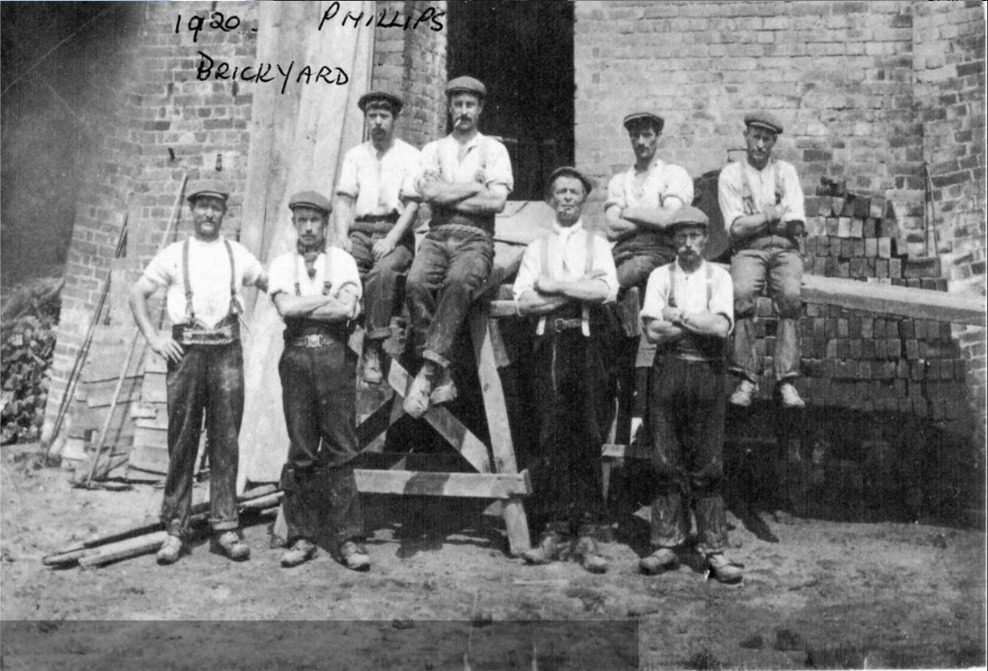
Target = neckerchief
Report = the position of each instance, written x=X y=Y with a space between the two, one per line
x=310 y=253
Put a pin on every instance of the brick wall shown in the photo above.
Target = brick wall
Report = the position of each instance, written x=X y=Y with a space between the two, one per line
x=160 y=123
x=413 y=63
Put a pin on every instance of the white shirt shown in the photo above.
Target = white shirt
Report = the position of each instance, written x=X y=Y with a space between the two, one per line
x=380 y=184
x=484 y=156
x=340 y=269
x=567 y=257
x=209 y=277
x=691 y=291
x=730 y=190
x=662 y=181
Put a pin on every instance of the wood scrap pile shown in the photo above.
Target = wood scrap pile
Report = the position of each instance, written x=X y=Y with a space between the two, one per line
x=146 y=537
x=28 y=343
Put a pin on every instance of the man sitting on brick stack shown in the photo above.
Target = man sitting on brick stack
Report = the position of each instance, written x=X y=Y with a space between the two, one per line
x=202 y=277
x=564 y=280
x=640 y=204
x=466 y=179
x=317 y=291
x=762 y=204
x=376 y=206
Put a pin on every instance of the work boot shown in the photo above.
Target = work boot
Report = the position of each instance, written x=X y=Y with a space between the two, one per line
x=548 y=550
x=660 y=561
x=371 y=364
x=742 y=395
x=588 y=554
x=445 y=390
x=300 y=552
x=354 y=556
x=170 y=550
x=723 y=570
x=417 y=398
x=232 y=544
x=790 y=397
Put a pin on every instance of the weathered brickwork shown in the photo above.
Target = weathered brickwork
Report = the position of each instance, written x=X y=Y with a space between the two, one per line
x=163 y=123
x=413 y=63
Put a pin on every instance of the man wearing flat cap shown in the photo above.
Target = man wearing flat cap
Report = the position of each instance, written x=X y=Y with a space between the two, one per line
x=202 y=276
x=640 y=205
x=466 y=178
x=376 y=207
x=317 y=292
x=688 y=314
x=564 y=280
x=762 y=203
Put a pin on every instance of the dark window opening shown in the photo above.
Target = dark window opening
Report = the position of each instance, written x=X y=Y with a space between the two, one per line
x=523 y=52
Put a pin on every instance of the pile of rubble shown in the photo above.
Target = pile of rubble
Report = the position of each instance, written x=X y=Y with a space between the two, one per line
x=27 y=331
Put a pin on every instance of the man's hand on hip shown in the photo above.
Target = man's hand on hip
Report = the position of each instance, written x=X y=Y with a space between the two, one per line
x=167 y=348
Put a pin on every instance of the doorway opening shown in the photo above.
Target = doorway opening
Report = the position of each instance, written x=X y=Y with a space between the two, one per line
x=523 y=52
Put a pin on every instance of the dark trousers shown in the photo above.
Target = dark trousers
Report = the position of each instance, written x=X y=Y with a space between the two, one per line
x=321 y=501
x=451 y=266
x=380 y=279
x=575 y=412
x=782 y=268
x=686 y=413
x=210 y=379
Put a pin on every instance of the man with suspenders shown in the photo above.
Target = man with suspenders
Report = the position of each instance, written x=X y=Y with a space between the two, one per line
x=466 y=178
x=317 y=292
x=762 y=203
x=376 y=207
x=688 y=313
x=202 y=276
x=640 y=203
x=564 y=280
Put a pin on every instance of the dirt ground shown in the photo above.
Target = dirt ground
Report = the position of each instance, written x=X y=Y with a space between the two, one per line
x=443 y=594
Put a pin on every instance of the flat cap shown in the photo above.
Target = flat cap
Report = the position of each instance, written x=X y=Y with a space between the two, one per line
x=688 y=215
x=466 y=85
x=637 y=118
x=312 y=199
x=763 y=119
x=209 y=188
x=384 y=96
x=571 y=172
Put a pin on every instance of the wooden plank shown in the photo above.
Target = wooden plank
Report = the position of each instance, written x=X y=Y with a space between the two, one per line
x=151 y=437
x=895 y=300
x=149 y=459
x=375 y=423
x=468 y=485
x=132 y=547
x=155 y=388
x=100 y=394
x=446 y=424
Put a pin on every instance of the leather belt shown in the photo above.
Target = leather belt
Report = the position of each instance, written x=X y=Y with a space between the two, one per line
x=223 y=333
x=313 y=340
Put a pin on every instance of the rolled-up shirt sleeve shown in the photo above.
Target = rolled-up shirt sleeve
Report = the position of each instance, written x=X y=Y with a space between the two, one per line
x=160 y=271
x=348 y=184
x=722 y=296
x=280 y=276
x=529 y=270
x=729 y=195
x=656 y=294
x=498 y=168
x=792 y=193
x=344 y=274
x=678 y=185
x=615 y=193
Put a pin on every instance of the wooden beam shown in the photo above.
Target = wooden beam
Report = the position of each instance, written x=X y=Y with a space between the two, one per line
x=884 y=299
x=131 y=547
x=420 y=483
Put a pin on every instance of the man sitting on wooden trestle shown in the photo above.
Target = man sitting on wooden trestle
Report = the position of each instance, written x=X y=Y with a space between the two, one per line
x=564 y=280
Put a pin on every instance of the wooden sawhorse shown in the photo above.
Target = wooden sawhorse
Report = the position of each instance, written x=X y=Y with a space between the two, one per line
x=497 y=475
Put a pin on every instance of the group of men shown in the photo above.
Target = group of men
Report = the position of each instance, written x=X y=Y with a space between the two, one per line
x=574 y=283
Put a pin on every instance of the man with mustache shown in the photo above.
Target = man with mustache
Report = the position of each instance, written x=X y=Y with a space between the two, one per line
x=202 y=277
x=466 y=178
x=376 y=206
x=640 y=205
x=762 y=203
x=564 y=280
x=317 y=292
x=688 y=313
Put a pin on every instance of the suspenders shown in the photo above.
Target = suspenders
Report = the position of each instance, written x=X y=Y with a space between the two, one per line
x=326 y=285
x=671 y=302
x=587 y=269
x=747 y=195
x=190 y=313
